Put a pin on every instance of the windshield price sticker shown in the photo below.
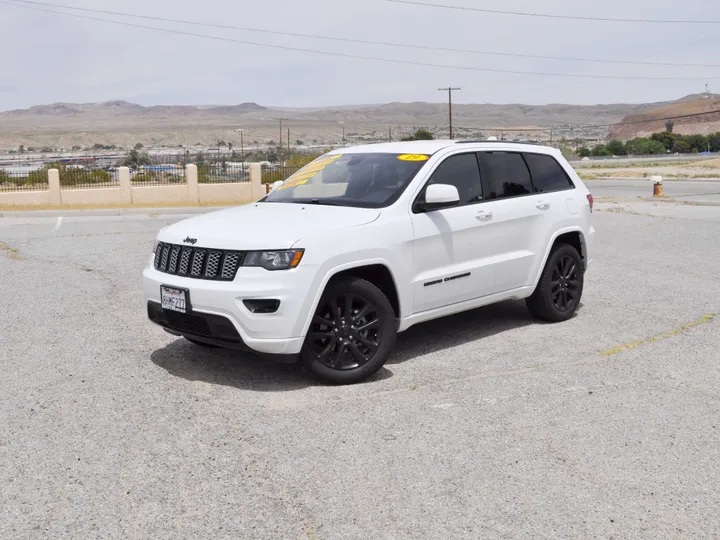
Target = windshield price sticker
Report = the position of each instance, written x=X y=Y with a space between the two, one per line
x=413 y=157
x=293 y=183
x=311 y=169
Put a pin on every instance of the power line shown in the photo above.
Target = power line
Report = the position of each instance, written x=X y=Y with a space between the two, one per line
x=362 y=57
x=551 y=16
x=368 y=42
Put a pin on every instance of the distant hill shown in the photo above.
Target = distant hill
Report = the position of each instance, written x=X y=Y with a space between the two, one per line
x=644 y=124
x=119 y=113
x=122 y=123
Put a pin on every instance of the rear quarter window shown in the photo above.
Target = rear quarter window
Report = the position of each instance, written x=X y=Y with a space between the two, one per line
x=547 y=174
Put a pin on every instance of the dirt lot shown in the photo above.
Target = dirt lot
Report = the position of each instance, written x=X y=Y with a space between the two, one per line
x=483 y=425
x=678 y=170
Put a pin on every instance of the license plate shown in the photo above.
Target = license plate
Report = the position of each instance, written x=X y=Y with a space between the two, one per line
x=174 y=299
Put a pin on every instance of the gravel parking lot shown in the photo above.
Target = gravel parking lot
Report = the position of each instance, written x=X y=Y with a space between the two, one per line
x=483 y=425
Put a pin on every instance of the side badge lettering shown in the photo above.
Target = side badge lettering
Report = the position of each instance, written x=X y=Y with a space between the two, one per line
x=451 y=278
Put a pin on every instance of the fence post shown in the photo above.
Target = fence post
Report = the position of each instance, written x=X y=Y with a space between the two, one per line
x=125 y=186
x=191 y=176
x=54 y=186
x=257 y=190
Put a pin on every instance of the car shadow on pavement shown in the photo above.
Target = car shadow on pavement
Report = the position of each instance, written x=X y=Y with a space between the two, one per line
x=248 y=372
x=229 y=368
x=461 y=328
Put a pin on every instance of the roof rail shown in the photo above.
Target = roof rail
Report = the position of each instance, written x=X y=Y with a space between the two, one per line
x=498 y=141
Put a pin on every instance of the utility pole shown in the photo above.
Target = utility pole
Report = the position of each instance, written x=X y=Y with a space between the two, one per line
x=242 y=147
x=449 y=91
x=390 y=133
x=288 y=139
x=281 y=138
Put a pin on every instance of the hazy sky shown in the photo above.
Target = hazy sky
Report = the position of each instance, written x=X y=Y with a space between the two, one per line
x=49 y=57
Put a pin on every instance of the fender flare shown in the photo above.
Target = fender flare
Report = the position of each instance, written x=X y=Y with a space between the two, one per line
x=335 y=270
x=550 y=245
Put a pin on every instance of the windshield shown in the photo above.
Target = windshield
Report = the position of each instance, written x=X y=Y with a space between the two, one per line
x=364 y=180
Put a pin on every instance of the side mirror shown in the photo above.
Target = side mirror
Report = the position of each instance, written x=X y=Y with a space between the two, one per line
x=276 y=185
x=438 y=196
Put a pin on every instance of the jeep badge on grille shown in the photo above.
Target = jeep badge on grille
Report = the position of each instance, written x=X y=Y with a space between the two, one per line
x=189 y=240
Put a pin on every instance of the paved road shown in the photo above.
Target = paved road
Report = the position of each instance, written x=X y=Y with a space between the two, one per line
x=680 y=189
x=483 y=425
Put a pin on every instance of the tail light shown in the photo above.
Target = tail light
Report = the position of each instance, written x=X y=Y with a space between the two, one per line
x=590 y=200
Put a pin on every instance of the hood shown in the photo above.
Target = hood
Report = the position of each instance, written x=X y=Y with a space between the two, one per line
x=258 y=226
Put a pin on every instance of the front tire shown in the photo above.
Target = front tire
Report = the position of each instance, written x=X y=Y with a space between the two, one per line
x=352 y=333
x=560 y=288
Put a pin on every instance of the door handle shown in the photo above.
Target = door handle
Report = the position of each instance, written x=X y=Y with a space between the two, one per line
x=543 y=205
x=483 y=215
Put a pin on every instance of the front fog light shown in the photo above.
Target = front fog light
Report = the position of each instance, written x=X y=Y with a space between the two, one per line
x=274 y=260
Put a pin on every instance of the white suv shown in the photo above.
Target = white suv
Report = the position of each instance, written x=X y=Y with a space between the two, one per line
x=365 y=242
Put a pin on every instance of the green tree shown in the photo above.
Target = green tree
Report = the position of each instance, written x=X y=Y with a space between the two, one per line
x=420 y=135
x=714 y=141
x=584 y=151
x=139 y=146
x=136 y=159
x=681 y=147
x=669 y=125
x=617 y=148
x=667 y=139
x=600 y=151
x=698 y=143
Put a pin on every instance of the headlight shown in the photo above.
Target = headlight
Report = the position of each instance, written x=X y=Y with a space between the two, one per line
x=274 y=260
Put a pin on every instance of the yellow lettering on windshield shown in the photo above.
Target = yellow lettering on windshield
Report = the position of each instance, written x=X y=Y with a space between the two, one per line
x=413 y=157
x=294 y=183
x=312 y=168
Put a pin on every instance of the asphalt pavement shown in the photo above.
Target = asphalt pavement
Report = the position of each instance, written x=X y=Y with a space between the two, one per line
x=486 y=424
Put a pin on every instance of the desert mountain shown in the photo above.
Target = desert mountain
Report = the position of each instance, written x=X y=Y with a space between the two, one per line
x=122 y=123
x=646 y=123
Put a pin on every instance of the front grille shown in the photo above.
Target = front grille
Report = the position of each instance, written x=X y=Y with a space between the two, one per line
x=199 y=263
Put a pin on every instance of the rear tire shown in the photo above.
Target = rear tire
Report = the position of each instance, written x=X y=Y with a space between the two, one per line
x=352 y=333
x=560 y=288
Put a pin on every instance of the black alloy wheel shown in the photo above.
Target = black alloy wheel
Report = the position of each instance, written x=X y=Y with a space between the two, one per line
x=565 y=284
x=351 y=334
x=559 y=290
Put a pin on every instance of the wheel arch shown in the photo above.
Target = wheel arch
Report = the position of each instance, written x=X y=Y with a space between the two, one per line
x=573 y=236
x=375 y=271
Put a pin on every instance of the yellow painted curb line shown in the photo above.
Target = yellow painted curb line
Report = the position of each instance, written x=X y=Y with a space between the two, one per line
x=675 y=332
x=11 y=253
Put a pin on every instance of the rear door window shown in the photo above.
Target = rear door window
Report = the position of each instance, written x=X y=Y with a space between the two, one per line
x=547 y=174
x=505 y=174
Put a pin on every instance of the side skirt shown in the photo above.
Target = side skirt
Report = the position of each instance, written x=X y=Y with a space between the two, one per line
x=424 y=316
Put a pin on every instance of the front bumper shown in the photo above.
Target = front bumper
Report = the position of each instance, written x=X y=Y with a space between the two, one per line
x=217 y=312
